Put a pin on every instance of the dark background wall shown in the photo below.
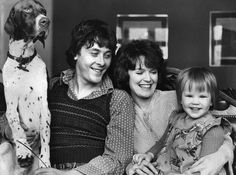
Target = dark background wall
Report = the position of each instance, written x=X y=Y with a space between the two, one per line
x=188 y=28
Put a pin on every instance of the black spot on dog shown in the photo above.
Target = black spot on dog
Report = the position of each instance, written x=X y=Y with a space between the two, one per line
x=30 y=119
x=31 y=88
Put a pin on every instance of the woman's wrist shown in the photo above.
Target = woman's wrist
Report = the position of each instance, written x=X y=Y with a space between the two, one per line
x=128 y=168
x=226 y=150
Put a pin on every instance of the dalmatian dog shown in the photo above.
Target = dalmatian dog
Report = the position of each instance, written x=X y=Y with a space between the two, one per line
x=25 y=82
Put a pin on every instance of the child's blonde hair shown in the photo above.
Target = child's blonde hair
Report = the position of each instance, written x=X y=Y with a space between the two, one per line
x=199 y=77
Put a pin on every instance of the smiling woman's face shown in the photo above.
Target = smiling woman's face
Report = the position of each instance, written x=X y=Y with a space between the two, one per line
x=142 y=80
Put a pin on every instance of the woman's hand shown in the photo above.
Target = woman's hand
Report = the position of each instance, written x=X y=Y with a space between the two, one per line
x=209 y=165
x=145 y=168
x=212 y=163
x=53 y=171
x=138 y=158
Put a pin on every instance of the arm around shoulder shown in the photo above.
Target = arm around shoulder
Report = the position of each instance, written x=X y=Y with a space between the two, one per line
x=119 y=142
x=214 y=158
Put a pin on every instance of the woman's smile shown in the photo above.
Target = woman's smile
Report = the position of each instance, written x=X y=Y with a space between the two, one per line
x=142 y=80
x=146 y=86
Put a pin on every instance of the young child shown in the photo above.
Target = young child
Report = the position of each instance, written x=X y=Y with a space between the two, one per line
x=193 y=132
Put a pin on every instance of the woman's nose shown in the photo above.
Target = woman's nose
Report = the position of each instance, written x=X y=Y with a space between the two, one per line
x=147 y=76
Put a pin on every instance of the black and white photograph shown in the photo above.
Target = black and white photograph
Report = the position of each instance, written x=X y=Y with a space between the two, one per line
x=117 y=87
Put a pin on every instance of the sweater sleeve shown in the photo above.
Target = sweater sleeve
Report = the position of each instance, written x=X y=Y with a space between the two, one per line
x=212 y=141
x=119 y=141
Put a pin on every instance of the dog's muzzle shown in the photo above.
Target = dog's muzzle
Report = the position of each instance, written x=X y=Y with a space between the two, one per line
x=42 y=26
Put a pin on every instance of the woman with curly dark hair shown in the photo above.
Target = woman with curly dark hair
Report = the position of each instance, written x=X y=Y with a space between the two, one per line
x=139 y=69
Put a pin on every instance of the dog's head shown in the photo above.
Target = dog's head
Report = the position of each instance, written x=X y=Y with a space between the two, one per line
x=27 y=20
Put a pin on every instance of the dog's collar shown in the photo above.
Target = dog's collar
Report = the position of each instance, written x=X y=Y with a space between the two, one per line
x=22 y=60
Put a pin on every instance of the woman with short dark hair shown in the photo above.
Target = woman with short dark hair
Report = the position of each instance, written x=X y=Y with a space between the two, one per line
x=139 y=69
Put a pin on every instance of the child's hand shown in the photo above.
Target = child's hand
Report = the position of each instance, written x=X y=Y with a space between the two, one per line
x=138 y=158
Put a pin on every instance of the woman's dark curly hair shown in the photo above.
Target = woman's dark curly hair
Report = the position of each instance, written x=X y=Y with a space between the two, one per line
x=87 y=33
x=127 y=57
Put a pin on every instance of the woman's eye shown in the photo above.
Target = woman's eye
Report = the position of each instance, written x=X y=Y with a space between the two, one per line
x=153 y=72
x=139 y=72
x=94 y=54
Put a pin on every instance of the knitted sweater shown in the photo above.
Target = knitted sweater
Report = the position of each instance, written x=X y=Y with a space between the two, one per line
x=116 y=125
x=78 y=127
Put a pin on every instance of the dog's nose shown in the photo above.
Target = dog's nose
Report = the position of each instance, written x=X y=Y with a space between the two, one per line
x=44 y=22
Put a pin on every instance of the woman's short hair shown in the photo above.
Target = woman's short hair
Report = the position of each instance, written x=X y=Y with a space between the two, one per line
x=199 y=77
x=129 y=54
x=87 y=33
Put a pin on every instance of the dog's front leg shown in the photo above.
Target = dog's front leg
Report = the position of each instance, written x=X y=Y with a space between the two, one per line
x=23 y=154
x=45 y=121
x=45 y=135
x=45 y=139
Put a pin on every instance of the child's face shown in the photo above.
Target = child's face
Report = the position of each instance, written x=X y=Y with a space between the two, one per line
x=194 y=102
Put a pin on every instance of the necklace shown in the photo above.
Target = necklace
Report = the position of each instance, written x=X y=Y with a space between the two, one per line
x=146 y=113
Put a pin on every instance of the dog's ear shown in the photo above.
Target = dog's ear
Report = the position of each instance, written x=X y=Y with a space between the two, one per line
x=10 y=25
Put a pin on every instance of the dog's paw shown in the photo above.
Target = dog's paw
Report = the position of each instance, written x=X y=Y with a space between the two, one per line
x=26 y=162
x=23 y=153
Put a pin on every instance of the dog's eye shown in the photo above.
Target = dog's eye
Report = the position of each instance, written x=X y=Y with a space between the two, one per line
x=28 y=10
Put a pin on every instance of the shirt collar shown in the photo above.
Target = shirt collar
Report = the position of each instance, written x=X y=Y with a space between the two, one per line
x=105 y=88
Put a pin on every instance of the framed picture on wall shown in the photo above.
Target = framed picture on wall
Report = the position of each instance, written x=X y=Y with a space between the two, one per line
x=143 y=26
x=222 y=38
